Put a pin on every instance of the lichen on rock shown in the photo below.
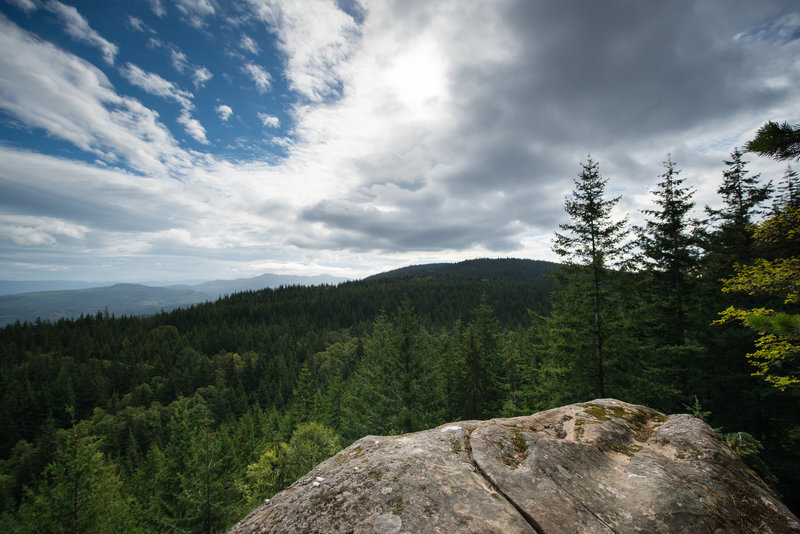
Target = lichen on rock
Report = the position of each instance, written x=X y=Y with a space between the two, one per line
x=603 y=466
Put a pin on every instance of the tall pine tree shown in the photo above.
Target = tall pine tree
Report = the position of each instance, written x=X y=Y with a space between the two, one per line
x=742 y=195
x=669 y=243
x=591 y=244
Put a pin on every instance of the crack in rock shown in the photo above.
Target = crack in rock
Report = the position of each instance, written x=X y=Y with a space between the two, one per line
x=525 y=515
x=600 y=467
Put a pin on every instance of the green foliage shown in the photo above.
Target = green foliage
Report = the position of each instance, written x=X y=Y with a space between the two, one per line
x=777 y=354
x=696 y=410
x=80 y=491
x=265 y=477
x=392 y=389
x=280 y=463
x=310 y=444
x=779 y=141
x=669 y=244
x=591 y=244
x=482 y=377
x=592 y=238
x=742 y=195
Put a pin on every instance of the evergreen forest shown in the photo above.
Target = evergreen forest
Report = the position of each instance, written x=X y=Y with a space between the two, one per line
x=185 y=421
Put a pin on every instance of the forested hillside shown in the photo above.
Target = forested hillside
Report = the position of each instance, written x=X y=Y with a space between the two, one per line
x=184 y=421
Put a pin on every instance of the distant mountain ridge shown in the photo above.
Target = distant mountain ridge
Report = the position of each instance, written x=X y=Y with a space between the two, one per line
x=129 y=299
x=14 y=287
x=118 y=299
x=142 y=300
x=510 y=269
x=220 y=288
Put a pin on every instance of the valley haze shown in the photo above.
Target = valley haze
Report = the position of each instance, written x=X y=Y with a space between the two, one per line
x=51 y=300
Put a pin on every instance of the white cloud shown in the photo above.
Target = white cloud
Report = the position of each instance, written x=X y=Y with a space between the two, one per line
x=248 y=44
x=269 y=121
x=195 y=11
x=178 y=59
x=259 y=76
x=25 y=5
x=224 y=112
x=137 y=24
x=157 y=7
x=438 y=106
x=193 y=127
x=38 y=231
x=78 y=28
x=200 y=76
x=156 y=85
x=47 y=88
x=317 y=38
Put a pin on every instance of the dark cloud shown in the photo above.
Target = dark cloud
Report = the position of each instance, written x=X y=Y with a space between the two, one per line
x=616 y=79
x=362 y=228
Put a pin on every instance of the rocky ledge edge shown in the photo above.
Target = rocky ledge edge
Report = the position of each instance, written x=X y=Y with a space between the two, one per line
x=597 y=467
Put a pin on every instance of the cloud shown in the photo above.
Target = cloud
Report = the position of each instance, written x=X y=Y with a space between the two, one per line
x=259 y=76
x=156 y=85
x=78 y=28
x=200 y=76
x=35 y=187
x=224 y=112
x=38 y=231
x=138 y=24
x=157 y=7
x=420 y=131
x=25 y=5
x=70 y=99
x=269 y=121
x=460 y=126
x=195 y=11
x=316 y=37
x=193 y=127
x=248 y=44
x=178 y=59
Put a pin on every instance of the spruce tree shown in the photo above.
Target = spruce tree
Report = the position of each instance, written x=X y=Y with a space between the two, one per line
x=481 y=364
x=393 y=387
x=722 y=378
x=591 y=244
x=742 y=195
x=779 y=141
x=80 y=491
x=669 y=243
x=788 y=191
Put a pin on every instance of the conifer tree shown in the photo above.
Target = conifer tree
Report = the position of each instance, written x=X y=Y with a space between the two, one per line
x=193 y=475
x=591 y=244
x=482 y=364
x=303 y=393
x=669 y=243
x=779 y=141
x=81 y=491
x=392 y=389
x=742 y=195
x=788 y=191
x=777 y=357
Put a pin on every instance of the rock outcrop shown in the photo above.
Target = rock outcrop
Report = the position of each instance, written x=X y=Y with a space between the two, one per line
x=598 y=467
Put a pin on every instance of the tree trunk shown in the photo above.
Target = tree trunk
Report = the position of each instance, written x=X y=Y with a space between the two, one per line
x=598 y=340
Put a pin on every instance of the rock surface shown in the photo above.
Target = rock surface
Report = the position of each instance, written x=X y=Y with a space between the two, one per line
x=598 y=467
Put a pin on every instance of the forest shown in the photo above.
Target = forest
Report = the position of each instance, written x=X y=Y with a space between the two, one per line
x=185 y=421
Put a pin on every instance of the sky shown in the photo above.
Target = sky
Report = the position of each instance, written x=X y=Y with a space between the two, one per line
x=147 y=140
